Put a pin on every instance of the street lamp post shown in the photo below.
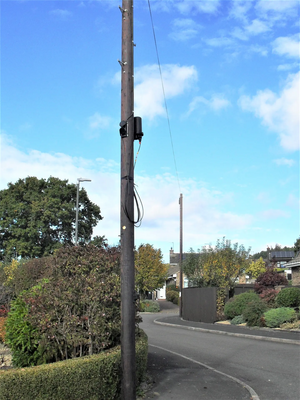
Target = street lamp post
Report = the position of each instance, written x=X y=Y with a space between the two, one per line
x=77 y=201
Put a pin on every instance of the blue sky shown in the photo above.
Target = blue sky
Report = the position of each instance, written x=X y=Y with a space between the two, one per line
x=231 y=79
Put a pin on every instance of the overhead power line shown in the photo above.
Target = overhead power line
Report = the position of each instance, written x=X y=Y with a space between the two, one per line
x=163 y=89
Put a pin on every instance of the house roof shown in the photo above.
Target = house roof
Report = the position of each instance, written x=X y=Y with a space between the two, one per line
x=173 y=270
x=175 y=258
x=295 y=262
x=281 y=255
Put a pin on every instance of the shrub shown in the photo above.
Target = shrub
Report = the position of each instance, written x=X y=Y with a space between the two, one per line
x=254 y=311
x=21 y=336
x=277 y=316
x=171 y=294
x=149 y=306
x=268 y=280
x=73 y=313
x=172 y=287
x=237 y=304
x=269 y=297
x=2 y=328
x=30 y=272
x=176 y=298
x=239 y=319
x=288 y=297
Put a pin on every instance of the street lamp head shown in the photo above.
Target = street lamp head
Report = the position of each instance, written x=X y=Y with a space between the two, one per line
x=83 y=180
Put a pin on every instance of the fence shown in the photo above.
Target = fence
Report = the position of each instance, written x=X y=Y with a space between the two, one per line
x=200 y=304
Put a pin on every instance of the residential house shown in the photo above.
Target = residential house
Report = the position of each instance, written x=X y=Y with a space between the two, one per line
x=173 y=274
x=293 y=268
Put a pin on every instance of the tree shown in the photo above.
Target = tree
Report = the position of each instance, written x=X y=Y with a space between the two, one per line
x=297 y=245
x=150 y=272
x=277 y=247
x=217 y=266
x=99 y=241
x=256 y=268
x=37 y=216
x=268 y=280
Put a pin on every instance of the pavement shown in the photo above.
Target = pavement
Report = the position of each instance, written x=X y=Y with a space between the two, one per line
x=175 y=378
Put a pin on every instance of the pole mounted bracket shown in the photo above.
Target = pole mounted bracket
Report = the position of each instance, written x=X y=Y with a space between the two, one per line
x=122 y=9
x=123 y=129
x=122 y=63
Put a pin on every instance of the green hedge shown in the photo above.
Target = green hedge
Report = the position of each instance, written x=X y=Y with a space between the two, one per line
x=90 y=378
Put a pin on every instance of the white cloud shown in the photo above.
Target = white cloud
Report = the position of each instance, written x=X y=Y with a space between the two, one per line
x=259 y=49
x=217 y=102
x=293 y=201
x=60 y=13
x=98 y=122
x=256 y=27
x=282 y=7
x=195 y=6
x=287 y=67
x=284 y=161
x=188 y=6
x=263 y=197
x=274 y=214
x=204 y=217
x=184 y=29
x=280 y=113
x=287 y=46
x=149 y=99
x=239 y=10
x=219 y=42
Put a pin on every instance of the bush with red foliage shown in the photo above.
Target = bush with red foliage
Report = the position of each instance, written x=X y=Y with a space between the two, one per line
x=269 y=297
x=268 y=280
x=3 y=311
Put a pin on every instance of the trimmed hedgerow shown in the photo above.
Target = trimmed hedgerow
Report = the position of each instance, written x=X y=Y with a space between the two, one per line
x=278 y=316
x=149 y=306
x=288 y=297
x=90 y=378
x=237 y=304
x=254 y=311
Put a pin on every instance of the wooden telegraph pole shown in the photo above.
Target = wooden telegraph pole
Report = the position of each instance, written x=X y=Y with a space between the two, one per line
x=127 y=206
x=180 y=257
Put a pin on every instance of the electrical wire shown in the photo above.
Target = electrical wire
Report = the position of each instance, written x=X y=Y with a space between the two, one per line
x=136 y=197
x=140 y=143
x=163 y=89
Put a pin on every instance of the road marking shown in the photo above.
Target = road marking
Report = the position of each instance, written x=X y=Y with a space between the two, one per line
x=252 y=392
x=243 y=335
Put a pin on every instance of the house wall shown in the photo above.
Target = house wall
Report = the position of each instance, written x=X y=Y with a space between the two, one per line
x=161 y=293
x=296 y=275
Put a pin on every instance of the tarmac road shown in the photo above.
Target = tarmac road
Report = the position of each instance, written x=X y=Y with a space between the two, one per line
x=189 y=364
